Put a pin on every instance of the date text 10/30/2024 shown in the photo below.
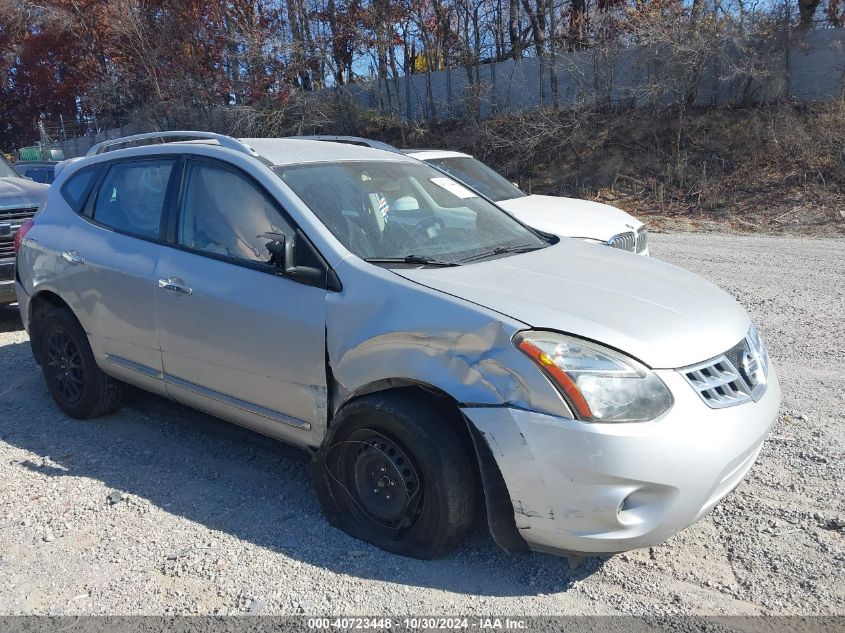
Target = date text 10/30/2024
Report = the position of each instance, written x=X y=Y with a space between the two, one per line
x=421 y=623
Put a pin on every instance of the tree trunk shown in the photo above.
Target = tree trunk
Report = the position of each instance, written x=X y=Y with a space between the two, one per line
x=297 y=54
x=335 y=37
x=578 y=25
x=552 y=53
x=513 y=28
x=807 y=11
x=538 y=28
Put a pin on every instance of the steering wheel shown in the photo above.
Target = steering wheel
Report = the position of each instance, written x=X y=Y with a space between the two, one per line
x=429 y=227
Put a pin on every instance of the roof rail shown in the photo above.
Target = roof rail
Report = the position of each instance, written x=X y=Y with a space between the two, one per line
x=222 y=139
x=350 y=140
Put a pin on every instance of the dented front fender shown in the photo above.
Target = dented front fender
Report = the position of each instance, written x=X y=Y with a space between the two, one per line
x=383 y=327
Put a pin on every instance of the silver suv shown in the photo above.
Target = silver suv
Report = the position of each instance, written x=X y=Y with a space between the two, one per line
x=439 y=359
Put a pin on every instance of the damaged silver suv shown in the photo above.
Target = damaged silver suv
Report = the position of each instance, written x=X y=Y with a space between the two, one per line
x=439 y=359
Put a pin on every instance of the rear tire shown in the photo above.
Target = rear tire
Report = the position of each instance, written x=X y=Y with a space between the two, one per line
x=395 y=472
x=77 y=385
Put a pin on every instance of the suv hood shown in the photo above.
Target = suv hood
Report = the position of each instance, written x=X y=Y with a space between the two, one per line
x=660 y=314
x=18 y=193
x=570 y=217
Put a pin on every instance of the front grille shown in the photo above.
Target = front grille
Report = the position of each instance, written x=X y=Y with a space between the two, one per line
x=736 y=376
x=642 y=239
x=10 y=222
x=623 y=241
x=15 y=217
x=7 y=247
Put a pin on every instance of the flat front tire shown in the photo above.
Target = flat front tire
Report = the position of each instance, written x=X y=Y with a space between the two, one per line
x=77 y=385
x=395 y=472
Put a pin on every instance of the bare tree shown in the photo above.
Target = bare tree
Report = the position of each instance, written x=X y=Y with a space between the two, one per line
x=537 y=14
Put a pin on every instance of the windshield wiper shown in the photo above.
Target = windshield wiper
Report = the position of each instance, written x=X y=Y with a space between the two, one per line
x=502 y=250
x=410 y=259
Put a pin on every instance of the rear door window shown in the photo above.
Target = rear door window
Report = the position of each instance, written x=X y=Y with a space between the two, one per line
x=131 y=197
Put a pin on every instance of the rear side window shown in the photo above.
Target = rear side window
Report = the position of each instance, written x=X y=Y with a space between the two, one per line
x=132 y=196
x=76 y=189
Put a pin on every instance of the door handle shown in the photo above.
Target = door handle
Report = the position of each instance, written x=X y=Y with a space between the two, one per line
x=73 y=258
x=174 y=284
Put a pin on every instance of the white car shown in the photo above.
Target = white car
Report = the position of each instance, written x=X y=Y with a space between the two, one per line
x=565 y=217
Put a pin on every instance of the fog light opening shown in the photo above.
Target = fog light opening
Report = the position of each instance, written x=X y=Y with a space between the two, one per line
x=626 y=513
x=645 y=505
x=629 y=503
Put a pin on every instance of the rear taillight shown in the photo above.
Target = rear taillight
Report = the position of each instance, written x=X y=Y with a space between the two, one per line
x=22 y=231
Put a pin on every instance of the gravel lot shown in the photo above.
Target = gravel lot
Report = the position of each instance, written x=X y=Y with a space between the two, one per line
x=159 y=509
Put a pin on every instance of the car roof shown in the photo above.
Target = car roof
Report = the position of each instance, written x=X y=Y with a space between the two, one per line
x=271 y=151
x=294 y=151
x=433 y=154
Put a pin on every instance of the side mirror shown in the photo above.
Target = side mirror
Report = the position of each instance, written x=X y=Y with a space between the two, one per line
x=277 y=245
x=282 y=249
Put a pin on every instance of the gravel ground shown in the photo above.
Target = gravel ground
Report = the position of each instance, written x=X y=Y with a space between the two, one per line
x=159 y=509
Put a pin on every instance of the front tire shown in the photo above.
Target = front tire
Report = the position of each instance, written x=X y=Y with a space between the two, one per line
x=77 y=385
x=395 y=472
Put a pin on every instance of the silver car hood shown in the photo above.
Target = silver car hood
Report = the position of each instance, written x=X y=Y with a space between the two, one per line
x=570 y=217
x=660 y=314
x=17 y=193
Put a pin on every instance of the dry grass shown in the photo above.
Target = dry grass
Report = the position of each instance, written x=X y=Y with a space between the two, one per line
x=778 y=168
x=772 y=168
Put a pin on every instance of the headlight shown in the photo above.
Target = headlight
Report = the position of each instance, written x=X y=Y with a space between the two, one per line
x=600 y=384
x=755 y=343
x=642 y=239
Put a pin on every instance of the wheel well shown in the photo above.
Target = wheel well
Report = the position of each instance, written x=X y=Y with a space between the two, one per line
x=402 y=384
x=39 y=305
x=387 y=384
x=488 y=478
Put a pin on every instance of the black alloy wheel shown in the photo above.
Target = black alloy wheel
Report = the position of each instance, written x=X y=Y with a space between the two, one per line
x=78 y=386
x=64 y=366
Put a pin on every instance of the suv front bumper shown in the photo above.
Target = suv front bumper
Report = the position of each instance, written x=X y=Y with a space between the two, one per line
x=606 y=488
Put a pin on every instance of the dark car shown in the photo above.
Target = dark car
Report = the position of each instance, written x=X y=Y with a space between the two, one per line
x=43 y=171
x=19 y=200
